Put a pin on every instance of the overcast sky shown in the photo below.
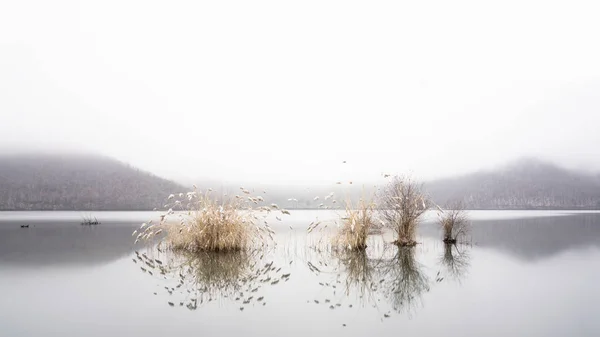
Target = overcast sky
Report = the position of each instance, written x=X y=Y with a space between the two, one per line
x=281 y=91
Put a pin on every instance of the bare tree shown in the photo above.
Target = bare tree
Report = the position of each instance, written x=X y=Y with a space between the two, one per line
x=454 y=222
x=402 y=205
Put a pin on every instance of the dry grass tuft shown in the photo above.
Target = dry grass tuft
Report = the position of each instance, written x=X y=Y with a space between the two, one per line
x=454 y=222
x=203 y=223
x=356 y=224
x=402 y=204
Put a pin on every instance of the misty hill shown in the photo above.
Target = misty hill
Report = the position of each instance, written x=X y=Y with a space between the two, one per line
x=87 y=182
x=523 y=184
x=78 y=182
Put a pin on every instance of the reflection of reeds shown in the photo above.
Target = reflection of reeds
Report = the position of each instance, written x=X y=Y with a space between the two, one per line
x=216 y=273
x=405 y=280
x=455 y=261
x=350 y=272
x=360 y=272
x=213 y=276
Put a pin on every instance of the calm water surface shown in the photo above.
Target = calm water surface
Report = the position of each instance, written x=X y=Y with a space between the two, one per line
x=523 y=274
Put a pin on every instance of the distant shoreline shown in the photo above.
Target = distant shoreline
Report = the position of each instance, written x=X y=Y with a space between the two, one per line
x=308 y=209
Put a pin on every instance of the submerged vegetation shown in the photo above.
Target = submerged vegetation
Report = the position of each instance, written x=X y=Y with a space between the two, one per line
x=454 y=222
x=402 y=204
x=88 y=220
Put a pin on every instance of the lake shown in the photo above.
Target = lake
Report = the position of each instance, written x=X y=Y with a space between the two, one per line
x=522 y=273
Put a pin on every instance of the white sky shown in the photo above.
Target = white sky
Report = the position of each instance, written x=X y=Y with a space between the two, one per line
x=282 y=91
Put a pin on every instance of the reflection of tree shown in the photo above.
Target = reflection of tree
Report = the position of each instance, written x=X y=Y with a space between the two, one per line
x=405 y=281
x=212 y=276
x=455 y=261
x=373 y=275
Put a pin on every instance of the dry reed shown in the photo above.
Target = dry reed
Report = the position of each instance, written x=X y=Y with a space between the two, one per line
x=356 y=224
x=204 y=223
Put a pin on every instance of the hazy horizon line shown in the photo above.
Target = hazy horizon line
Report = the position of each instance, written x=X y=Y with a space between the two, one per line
x=228 y=181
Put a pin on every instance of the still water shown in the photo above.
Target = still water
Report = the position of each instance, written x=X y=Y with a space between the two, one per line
x=521 y=274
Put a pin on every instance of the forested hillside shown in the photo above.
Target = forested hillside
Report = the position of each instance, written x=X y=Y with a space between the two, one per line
x=87 y=182
x=524 y=184
x=78 y=182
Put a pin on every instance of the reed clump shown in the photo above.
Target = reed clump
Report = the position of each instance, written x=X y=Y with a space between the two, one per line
x=454 y=222
x=356 y=224
x=212 y=226
x=402 y=204
x=197 y=222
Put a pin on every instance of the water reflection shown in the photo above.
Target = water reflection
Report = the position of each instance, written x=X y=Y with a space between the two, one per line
x=548 y=258
x=64 y=243
x=197 y=279
x=456 y=262
x=360 y=272
x=533 y=238
x=385 y=279
x=360 y=276
x=405 y=280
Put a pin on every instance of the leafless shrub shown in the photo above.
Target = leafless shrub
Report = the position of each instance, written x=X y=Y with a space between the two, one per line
x=402 y=204
x=454 y=222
